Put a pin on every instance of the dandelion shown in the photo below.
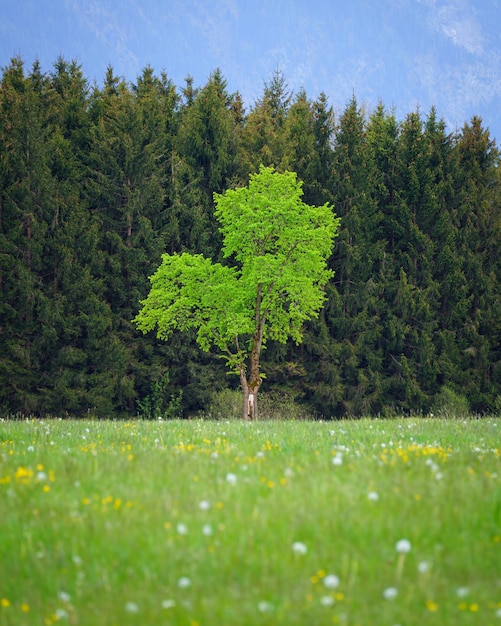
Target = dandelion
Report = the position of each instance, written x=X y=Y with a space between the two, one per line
x=403 y=546
x=63 y=614
x=264 y=607
x=25 y=607
x=168 y=604
x=64 y=596
x=207 y=530
x=182 y=529
x=431 y=606
x=184 y=582
x=4 y=603
x=331 y=581
x=373 y=496
x=423 y=567
x=204 y=505
x=462 y=592
x=231 y=478
x=132 y=607
x=299 y=548
x=41 y=476
x=337 y=460
x=326 y=600
x=390 y=593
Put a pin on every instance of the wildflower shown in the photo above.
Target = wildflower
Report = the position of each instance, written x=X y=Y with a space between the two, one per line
x=64 y=596
x=25 y=607
x=204 y=505
x=403 y=546
x=326 y=600
x=207 y=530
x=299 y=548
x=182 y=529
x=41 y=476
x=63 y=614
x=338 y=459
x=184 y=582
x=231 y=478
x=373 y=496
x=264 y=607
x=462 y=592
x=132 y=607
x=431 y=606
x=390 y=593
x=168 y=604
x=331 y=581
x=4 y=603
x=423 y=567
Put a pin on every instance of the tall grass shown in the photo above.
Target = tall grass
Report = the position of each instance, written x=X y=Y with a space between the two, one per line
x=365 y=522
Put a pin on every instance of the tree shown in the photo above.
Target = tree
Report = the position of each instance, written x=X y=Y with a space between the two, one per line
x=279 y=246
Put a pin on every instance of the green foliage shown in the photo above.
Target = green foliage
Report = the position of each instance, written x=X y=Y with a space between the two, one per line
x=449 y=403
x=97 y=182
x=279 y=246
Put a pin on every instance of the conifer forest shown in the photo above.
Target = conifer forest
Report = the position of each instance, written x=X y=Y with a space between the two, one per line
x=98 y=181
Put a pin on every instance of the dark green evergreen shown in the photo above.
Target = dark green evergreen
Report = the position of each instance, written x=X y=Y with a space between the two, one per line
x=97 y=182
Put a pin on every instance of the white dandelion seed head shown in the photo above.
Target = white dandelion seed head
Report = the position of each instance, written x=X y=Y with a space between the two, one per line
x=184 y=582
x=331 y=581
x=168 y=604
x=423 y=567
x=231 y=478
x=498 y=613
x=31 y=448
x=132 y=607
x=204 y=505
x=390 y=593
x=373 y=496
x=326 y=600
x=61 y=614
x=264 y=606
x=182 y=529
x=41 y=476
x=64 y=596
x=338 y=459
x=298 y=547
x=403 y=546
x=462 y=592
x=207 y=530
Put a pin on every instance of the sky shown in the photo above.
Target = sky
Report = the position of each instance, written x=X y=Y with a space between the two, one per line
x=408 y=54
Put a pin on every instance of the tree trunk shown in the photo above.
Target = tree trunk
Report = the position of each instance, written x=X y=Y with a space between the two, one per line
x=250 y=386
x=249 y=409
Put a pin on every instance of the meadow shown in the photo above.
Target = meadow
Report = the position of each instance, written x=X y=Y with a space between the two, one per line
x=201 y=523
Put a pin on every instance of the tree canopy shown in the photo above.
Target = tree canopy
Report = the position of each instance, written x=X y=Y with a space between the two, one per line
x=279 y=248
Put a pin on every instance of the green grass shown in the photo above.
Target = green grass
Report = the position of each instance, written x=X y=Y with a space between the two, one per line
x=103 y=522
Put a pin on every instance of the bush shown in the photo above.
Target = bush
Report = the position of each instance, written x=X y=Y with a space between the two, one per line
x=449 y=403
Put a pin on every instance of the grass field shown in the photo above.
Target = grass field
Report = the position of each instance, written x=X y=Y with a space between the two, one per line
x=199 y=523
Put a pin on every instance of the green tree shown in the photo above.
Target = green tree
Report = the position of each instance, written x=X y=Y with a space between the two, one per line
x=279 y=246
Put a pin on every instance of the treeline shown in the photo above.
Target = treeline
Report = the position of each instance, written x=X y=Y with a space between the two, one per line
x=96 y=182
